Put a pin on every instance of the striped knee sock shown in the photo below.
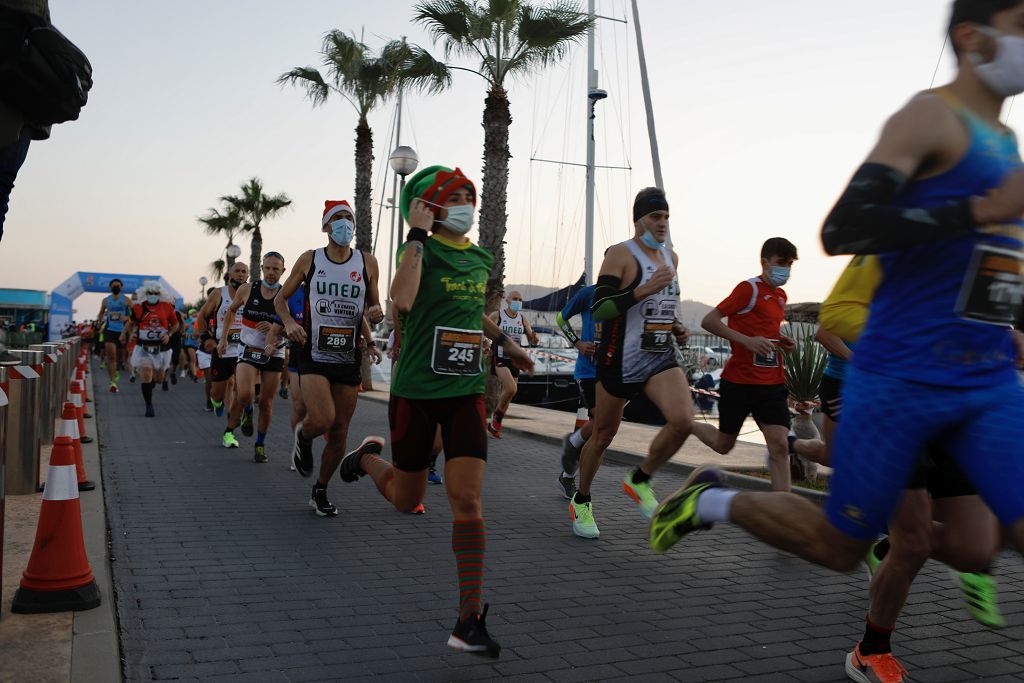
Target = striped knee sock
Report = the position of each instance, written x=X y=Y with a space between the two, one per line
x=468 y=540
x=380 y=470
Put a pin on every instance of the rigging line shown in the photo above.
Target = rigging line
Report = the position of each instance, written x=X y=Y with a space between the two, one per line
x=628 y=180
x=619 y=95
x=938 y=62
x=384 y=183
x=1009 y=111
x=407 y=111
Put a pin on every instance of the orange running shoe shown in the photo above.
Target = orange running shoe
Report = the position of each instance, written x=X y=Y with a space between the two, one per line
x=494 y=429
x=874 y=668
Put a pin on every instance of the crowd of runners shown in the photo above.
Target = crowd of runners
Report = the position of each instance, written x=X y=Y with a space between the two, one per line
x=923 y=331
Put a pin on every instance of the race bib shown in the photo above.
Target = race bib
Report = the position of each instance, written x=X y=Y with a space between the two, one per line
x=254 y=355
x=151 y=349
x=657 y=336
x=336 y=339
x=767 y=360
x=151 y=335
x=115 y=317
x=234 y=336
x=457 y=352
x=993 y=289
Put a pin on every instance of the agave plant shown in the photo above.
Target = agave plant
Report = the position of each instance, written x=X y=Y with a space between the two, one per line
x=804 y=367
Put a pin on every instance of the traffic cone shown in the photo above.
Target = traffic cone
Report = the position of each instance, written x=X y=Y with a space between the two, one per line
x=69 y=428
x=58 y=577
x=80 y=376
x=76 y=398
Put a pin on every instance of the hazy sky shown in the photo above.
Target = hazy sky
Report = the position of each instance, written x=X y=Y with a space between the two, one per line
x=763 y=111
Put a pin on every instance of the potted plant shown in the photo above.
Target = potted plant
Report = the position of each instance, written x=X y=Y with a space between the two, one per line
x=804 y=367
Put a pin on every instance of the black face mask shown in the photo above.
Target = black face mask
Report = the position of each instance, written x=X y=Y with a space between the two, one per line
x=115 y=289
x=235 y=284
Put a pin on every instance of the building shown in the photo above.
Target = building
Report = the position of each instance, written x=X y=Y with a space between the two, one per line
x=23 y=306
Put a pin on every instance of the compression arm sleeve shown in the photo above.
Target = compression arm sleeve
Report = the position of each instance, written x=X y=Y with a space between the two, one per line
x=610 y=301
x=865 y=222
x=566 y=329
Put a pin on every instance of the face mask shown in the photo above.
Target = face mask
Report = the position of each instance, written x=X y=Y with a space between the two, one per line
x=651 y=241
x=516 y=306
x=460 y=219
x=342 y=231
x=778 y=275
x=1004 y=75
x=152 y=299
x=235 y=284
x=115 y=289
x=276 y=285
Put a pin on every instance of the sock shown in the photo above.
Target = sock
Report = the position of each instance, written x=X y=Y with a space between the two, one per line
x=378 y=469
x=568 y=475
x=639 y=476
x=576 y=439
x=317 y=486
x=881 y=549
x=876 y=639
x=147 y=391
x=580 y=499
x=229 y=430
x=713 y=504
x=260 y=438
x=248 y=409
x=499 y=415
x=468 y=540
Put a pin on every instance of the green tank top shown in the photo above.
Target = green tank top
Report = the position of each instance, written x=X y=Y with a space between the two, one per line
x=442 y=335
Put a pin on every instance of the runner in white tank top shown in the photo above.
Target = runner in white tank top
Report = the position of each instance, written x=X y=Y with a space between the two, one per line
x=517 y=328
x=225 y=354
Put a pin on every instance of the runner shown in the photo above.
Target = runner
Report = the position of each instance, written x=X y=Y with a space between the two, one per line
x=439 y=292
x=753 y=380
x=225 y=355
x=940 y=198
x=114 y=313
x=176 y=342
x=261 y=352
x=152 y=322
x=635 y=299
x=585 y=375
x=207 y=347
x=339 y=284
x=190 y=343
x=297 y=309
x=517 y=328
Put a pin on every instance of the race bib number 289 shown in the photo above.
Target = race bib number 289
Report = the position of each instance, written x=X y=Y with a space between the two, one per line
x=457 y=352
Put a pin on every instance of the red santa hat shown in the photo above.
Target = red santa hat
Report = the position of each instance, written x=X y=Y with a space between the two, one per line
x=332 y=208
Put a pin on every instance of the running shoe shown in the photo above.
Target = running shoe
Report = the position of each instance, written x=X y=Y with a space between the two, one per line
x=872 y=560
x=117 y=375
x=209 y=406
x=569 y=452
x=164 y=386
x=980 y=591
x=418 y=510
x=130 y=379
x=567 y=485
x=583 y=524
x=882 y=668
x=677 y=515
x=302 y=453
x=181 y=375
x=283 y=393
x=149 y=410
x=174 y=379
x=433 y=477
x=642 y=494
x=259 y=453
x=470 y=635
x=229 y=440
x=351 y=469
x=494 y=429
x=319 y=502
x=113 y=388
x=247 y=422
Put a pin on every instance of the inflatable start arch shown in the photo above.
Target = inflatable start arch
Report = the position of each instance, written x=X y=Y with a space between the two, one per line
x=66 y=292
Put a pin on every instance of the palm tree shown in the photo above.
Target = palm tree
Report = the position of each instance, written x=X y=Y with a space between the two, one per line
x=229 y=224
x=507 y=38
x=364 y=80
x=255 y=207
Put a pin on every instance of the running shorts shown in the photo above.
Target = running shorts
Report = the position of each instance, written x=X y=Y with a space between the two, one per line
x=156 y=359
x=767 y=403
x=222 y=368
x=414 y=422
x=203 y=360
x=503 y=363
x=113 y=338
x=588 y=394
x=272 y=364
x=630 y=390
x=336 y=373
x=887 y=422
x=829 y=393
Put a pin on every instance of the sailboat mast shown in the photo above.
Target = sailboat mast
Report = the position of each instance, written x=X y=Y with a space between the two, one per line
x=588 y=258
x=394 y=197
x=645 y=84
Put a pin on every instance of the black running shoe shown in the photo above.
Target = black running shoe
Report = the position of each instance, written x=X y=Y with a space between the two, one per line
x=302 y=453
x=174 y=379
x=149 y=410
x=350 y=469
x=319 y=502
x=132 y=379
x=164 y=386
x=470 y=635
x=567 y=485
x=260 y=453
x=247 y=422
x=283 y=393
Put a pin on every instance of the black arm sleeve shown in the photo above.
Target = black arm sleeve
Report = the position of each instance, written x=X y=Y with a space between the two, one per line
x=864 y=222
x=610 y=301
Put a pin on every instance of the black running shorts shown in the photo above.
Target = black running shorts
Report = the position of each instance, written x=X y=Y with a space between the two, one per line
x=414 y=422
x=630 y=390
x=336 y=373
x=829 y=393
x=272 y=364
x=767 y=403
x=503 y=363
x=588 y=394
x=222 y=369
x=939 y=472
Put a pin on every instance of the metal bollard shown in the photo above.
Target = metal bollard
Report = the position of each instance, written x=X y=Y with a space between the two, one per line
x=22 y=437
x=51 y=388
x=4 y=389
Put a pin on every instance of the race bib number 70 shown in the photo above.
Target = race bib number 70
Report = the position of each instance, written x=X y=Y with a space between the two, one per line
x=457 y=352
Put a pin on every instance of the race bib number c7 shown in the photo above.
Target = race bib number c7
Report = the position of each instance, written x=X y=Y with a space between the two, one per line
x=336 y=339
x=151 y=335
x=767 y=360
x=993 y=289
x=657 y=336
x=254 y=355
x=457 y=352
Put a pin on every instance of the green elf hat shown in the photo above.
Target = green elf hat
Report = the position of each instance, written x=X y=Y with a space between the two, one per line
x=434 y=184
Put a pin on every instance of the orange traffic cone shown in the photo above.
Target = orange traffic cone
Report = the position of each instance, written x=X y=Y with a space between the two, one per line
x=69 y=428
x=80 y=376
x=76 y=398
x=58 y=577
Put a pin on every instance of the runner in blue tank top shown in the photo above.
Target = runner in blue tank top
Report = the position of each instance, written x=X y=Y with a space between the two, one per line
x=940 y=198
x=585 y=375
x=114 y=313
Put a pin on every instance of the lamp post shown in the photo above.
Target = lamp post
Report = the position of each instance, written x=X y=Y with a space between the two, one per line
x=233 y=251
x=202 y=287
x=403 y=161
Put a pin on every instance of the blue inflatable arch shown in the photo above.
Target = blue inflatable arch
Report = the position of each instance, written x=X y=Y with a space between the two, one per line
x=66 y=292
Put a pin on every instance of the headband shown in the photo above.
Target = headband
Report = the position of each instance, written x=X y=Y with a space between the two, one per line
x=649 y=204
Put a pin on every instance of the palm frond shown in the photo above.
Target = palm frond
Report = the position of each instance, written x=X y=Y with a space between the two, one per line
x=546 y=34
x=310 y=80
x=422 y=72
x=449 y=22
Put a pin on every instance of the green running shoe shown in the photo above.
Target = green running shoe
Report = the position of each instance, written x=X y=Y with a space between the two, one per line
x=260 y=454
x=980 y=591
x=872 y=561
x=229 y=440
x=246 y=424
x=117 y=376
x=677 y=515
x=583 y=524
x=642 y=495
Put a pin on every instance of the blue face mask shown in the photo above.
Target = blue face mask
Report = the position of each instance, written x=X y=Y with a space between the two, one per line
x=152 y=300
x=516 y=306
x=460 y=219
x=342 y=231
x=778 y=275
x=276 y=285
x=649 y=240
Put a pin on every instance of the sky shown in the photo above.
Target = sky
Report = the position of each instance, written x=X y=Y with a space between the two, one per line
x=763 y=111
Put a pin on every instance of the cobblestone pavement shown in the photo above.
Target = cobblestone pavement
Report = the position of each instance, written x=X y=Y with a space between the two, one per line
x=223 y=572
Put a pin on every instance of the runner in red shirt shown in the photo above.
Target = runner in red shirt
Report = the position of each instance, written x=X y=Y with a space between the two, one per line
x=753 y=381
x=153 y=321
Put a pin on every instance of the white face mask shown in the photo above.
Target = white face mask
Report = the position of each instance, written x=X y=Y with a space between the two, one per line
x=460 y=219
x=1004 y=75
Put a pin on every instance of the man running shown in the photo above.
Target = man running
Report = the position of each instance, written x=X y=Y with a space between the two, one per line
x=114 y=314
x=439 y=292
x=585 y=375
x=190 y=344
x=940 y=198
x=517 y=328
x=225 y=355
x=753 y=380
x=176 y=342
x=340 y=285
x=636 y=299
x=261 y=352
x=153 y=321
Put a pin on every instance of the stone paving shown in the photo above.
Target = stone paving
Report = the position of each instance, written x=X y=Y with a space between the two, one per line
x=223 y=572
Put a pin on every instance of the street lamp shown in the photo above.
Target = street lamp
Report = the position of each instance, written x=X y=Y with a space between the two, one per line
x=202 y=287
x=233 y=251
x=403 y=161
